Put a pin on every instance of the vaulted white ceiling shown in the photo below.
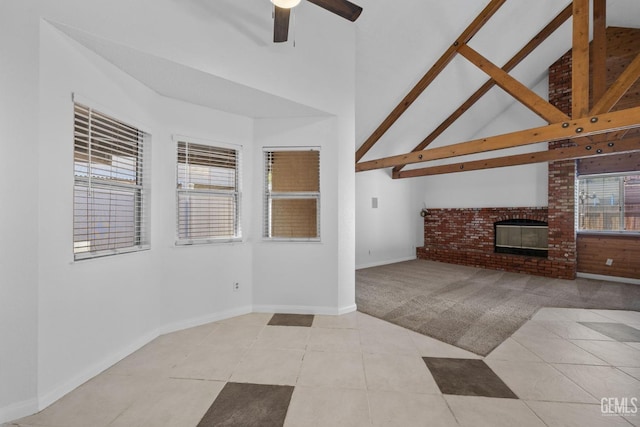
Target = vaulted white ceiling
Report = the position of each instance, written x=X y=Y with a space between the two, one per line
x=396 y=43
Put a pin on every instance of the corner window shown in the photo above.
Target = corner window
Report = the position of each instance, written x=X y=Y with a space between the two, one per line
x=208 y=193
x=110 y=191
x=292 y=194
x=609 y=202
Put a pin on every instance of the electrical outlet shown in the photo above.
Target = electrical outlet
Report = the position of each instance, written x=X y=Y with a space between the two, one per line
x=609 y=262
x=236 y=286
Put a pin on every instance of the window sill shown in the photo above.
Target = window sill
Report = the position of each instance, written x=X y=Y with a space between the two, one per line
x=609 y=233
x=182 y=243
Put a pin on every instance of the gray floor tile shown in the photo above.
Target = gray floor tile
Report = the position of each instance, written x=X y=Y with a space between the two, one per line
x=291 y=320
x=248 y=405
x=467 y=377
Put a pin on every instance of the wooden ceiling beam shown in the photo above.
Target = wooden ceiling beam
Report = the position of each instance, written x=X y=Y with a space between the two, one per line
x=426 y=80
x=599 y=50
x=513 y=87
x=536 y=41
x=580 y=60
x=618 y=88
x=579 y=128
x=583 y=150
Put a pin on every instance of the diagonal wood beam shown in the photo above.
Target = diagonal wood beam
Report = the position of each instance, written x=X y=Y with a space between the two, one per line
x=580 y=60
x=599 y=50
x=526 y=96
x=618 y=88
x=624 y=119
x=426 y=80
x=584 y=150
x=536 y=41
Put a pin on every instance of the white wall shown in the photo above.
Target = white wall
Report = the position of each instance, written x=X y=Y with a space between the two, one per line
x=95 y=311
x=18 y=209
x=386 y=233
x=299 y=277
x=65 y=321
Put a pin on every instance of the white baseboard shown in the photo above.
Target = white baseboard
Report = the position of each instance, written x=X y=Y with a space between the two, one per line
x=18 y=410
x=197 y=321
x=303 y=309
x=609 y=278
x=385 y=262
x=45 y=399
x=347 y=309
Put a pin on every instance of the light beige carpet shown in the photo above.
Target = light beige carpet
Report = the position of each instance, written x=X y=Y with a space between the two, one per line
x=472 y=308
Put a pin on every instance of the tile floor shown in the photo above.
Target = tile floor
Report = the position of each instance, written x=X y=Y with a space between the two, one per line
x=356 y=370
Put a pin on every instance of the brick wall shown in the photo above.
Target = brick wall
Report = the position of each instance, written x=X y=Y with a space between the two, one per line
x=562 y=178
x=466 y=236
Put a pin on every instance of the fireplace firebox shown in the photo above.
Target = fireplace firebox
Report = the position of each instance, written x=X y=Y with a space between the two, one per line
x=522 y=237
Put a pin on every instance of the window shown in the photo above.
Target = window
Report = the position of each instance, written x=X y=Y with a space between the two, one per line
x=208 y=195
x=609 y=202
x=110 y=194
x=292 y=194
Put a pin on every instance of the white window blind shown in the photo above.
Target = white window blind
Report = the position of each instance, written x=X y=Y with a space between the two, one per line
x=208 y=193
x=110 y=191
x=292 y=194
x=609 y=202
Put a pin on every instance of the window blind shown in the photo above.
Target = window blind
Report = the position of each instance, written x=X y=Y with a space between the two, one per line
x=109 y=207
x=292 y=194
x=609 y=202
x=208 y=193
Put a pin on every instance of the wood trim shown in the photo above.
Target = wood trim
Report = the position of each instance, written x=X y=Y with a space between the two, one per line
x=625 y=119
x=426 y=80
x=566 y=153
x=599 y=50
x=618 y=88
x=580 y=60
x=513 y=87
x=536 y=41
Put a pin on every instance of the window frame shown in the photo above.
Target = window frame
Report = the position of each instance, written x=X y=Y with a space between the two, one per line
x=139 y=191
x=269 y=196
x=237 y=193
x=580 y=200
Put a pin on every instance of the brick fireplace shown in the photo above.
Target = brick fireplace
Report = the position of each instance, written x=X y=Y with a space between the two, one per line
x=467 y=237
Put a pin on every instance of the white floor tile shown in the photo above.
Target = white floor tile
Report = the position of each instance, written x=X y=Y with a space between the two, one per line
x=283 y=337
x=322 y=339
x=327 y=407
x=602 y=381
x=539 y=381
x=269 y=366
x=557 y=350
x=473 y=411
x=397 y=409
x=387 y=342
x=392 y=372
x=612 y=352
x=332 y=369
x=513 y=351
x=574 y=415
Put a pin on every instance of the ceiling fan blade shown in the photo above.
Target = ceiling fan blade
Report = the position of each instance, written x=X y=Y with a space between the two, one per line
x=343 y=8
x=281 y=24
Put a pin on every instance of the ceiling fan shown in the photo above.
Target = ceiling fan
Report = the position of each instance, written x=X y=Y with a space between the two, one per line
x=343 y=8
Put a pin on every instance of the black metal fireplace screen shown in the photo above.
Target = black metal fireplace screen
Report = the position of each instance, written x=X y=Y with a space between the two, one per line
x=522 y=237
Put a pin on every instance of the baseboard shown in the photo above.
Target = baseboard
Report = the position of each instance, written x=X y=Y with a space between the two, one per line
x=197 y=321
x=49 y=397
x=348 y=309
x=385 y=262
x=609 y=278
x=56 y=393
x=302 y=309
x=18 y=410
